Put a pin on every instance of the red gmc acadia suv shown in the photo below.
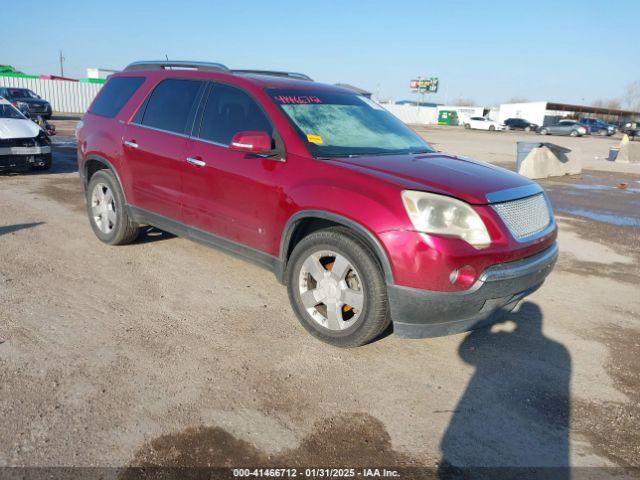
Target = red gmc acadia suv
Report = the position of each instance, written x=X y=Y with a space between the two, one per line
x=363 y=221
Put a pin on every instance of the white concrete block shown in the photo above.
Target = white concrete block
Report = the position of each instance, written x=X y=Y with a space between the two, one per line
x=629 y=152
x=542 y=162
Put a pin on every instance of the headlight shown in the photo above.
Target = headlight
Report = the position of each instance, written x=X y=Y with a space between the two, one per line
x=43 y=138
x=438 y=214
x=79 y=125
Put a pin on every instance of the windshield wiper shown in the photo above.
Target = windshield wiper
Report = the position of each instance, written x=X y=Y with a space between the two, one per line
x=417 y=152
x=332 y=156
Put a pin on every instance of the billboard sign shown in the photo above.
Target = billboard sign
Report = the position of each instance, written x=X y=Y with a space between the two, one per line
x=422 y=85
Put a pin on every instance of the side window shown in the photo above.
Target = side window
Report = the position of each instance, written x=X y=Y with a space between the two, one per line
x=228 y=111
x=171 y=104
x=114 y=94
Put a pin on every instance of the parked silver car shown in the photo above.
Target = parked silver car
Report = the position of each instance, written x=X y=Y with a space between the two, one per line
x=564 y=127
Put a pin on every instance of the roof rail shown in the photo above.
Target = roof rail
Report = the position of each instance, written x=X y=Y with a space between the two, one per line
x=176 y=65
x=273 y=73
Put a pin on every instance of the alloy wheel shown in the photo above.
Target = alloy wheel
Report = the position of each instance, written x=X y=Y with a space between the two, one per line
x=331 y=290
x=103 y=208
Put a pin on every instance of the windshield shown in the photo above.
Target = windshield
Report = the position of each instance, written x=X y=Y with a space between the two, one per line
x=8 y=111
x=21 y=93
x=345 y=124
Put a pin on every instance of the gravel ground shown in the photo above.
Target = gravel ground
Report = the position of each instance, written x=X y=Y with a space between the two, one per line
x=166 y=352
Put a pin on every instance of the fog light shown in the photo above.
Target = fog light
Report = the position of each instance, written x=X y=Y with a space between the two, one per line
x=464 y=276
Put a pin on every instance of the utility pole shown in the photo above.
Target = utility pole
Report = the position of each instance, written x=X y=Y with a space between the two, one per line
x=61 y=64
x=418 y=110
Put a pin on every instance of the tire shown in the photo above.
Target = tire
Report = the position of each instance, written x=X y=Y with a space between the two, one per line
x=574 y=133
x=467 y=126
x=544 y=131
x=115 y=226
x=527 y=129
x=491 y=128
x=360 y=278
x=507 y=128
x=47 y=160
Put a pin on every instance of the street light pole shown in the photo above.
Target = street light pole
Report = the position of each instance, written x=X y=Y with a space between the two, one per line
x=418 y=111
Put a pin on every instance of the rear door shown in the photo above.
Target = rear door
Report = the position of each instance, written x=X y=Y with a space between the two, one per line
x=564 y=128
x=155 y=142
x=232 y=194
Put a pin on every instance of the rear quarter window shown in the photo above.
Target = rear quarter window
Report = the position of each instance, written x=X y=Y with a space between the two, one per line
x=114 y=95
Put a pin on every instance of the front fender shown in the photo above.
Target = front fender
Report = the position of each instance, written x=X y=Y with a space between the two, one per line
x=366 y=215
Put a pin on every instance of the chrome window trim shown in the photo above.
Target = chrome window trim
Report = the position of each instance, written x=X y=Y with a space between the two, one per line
x=160 y=130
x=211 y=142
x=191 y=137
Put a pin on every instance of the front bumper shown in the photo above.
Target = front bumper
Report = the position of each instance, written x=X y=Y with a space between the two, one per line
x=419 y=313
x=43 y=111
x=20 y=158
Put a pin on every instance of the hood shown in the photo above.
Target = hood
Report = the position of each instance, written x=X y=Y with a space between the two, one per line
x=17 y=128
x=463 y=178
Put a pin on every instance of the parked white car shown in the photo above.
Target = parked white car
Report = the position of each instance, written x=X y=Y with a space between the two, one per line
x=23 y=144
x=482 y=123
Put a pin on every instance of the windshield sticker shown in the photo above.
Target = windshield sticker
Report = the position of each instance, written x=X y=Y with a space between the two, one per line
x=297 y=99
x=317 y=139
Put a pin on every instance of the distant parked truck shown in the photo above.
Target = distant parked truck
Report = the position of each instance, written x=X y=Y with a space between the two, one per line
x=448 y=117
x=596 y=126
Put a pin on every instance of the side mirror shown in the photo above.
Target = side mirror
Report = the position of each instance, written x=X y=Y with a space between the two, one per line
x=251 y=142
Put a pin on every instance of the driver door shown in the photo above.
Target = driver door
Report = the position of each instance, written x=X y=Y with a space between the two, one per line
x=227 y=193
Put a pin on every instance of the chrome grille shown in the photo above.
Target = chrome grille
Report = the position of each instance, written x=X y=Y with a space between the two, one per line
x=526 y=216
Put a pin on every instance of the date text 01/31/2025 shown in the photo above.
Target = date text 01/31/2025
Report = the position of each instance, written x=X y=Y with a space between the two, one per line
x=315 y=473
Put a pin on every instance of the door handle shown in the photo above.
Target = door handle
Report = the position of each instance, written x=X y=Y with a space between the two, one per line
x=130 y=144
x=195 y=161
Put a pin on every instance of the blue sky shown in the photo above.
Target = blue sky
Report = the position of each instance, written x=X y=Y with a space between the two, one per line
x=488 y=51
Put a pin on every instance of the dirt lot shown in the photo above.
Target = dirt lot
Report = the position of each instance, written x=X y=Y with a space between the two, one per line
x=166 y=352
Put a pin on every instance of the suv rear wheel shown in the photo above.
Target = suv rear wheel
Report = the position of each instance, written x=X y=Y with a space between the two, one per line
x=107 y=211
x=337 y=289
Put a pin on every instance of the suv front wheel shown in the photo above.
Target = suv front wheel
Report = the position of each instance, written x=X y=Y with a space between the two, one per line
x=107 y=211
x=337 y=289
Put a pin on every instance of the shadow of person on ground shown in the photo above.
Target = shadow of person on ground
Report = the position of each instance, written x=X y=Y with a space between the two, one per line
x=4 y=229
x=515 y=410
